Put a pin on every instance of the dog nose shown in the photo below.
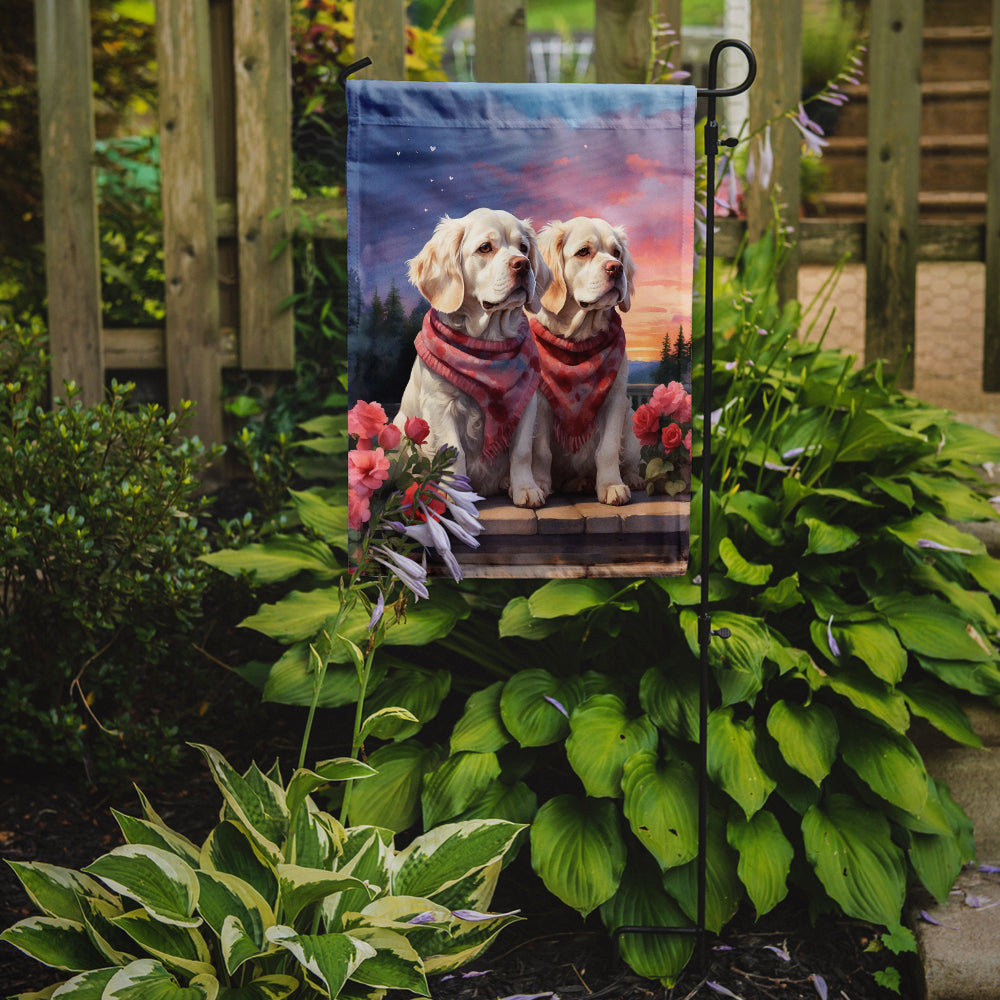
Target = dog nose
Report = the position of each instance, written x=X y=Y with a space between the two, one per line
x=519 y=264
x=614 y=268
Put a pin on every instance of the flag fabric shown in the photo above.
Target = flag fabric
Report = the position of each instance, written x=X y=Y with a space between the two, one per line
x=610 y=167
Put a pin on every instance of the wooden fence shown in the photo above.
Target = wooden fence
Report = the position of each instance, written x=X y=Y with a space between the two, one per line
x=226 y=161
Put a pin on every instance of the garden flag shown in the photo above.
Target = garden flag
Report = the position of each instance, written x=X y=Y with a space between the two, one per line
x=521 y=260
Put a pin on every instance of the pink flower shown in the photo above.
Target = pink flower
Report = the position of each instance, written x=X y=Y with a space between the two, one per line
x=366 y=470
x=358 y=511
x=671 y=437
x=687 y=442
x=683 y=412
x=389 y=437
x=666 y=398
x=646 y=423
x=366 y=419
x=416 y=429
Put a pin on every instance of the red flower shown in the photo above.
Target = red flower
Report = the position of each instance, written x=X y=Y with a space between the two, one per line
x=671 y=437
x=646 y=424
x=416 y=429
x=366 y=419
x=389 y=437
x=428 y=496
x=366 y=470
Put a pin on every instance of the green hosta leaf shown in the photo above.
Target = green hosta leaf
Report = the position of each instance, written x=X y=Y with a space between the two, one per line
x=671 y=700
x=292 y=680
x=986 y=571
x=56 y=891
x=279 y=558
x=160 y=882
x=732 y=760
x=304 y=782
x=661 y=799
x=893 y=488
x=456 y=784
x=976 y=678
x=870 y=436
x=876 y=646
x=226 y=898
x=578 y=851
x=937 y=858
x=330 y=959
x=481 y=728
x=391 y=798
x=739 y=569
x=516 y=803
x=418 y=691
x=827 y=539
x=301 y=887
x=180 y=948
x=231 y=850
x=54 y=941
x=975 y=605
x=738 y=661
x=888 y=763
x=965 y=443
x=559 y=598
x=850 y=848
x=723 y=889
x=328 y=520
x=931 y=628
x=297 y=616
x=274 y=987
x=395 y=964
x=758 y=511
x=958 y=502
x=440 y=858
x=783 y=595
x=530 y=706
x=602 y=738
x=928 y=528
x=941 y=709
x=641 y=901
x=425 y=621
x=389 y=723
x=765 y=858
x=517 y=620
x=807 y=736
x=147 y=979
x=864 y=691
x=141 y=831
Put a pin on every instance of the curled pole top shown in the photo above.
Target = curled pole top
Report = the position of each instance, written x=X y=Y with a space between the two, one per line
x=712 y=91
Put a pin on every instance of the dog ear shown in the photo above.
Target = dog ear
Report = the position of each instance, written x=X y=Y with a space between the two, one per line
x=629 y=264
x=437 y=269
x=550 y=242
x=543 y=276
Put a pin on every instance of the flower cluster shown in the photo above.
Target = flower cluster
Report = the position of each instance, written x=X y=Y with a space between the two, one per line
x=663 y=429
x=396 y=496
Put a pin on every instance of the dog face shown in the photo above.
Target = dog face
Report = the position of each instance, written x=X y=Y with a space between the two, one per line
x=590 y=263
x=487 y=261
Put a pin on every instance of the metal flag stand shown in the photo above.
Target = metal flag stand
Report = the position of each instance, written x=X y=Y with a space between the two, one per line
x=705 y=631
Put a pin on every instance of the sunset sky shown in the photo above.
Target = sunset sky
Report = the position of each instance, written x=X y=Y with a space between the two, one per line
x=547 y=152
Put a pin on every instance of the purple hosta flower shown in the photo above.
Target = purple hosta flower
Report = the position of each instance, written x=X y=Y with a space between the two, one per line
x=465 y=975
x=407 y=570
x=811 y=132
x=834 y=648
x=780 y=952
x=820 y=983
x=760 y=166
x=927 y=918
x=719 y=988
x=475 y=915
x=377 y=612
x=531 y=996
x=558 y=705
x=927 y=543
x=990 y=869
x=427 y=917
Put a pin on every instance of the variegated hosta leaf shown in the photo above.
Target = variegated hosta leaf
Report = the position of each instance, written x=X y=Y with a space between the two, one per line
x=54 y=941
x=256 y=801
x=141 y=831
x=391 y=799
x=850 y=847
x=301 y=887
x=661 y=805
x=765 y=858
x=395 y=964
x=230 y=849
x=315 y=838
x=149 y=980
x=177 y=947
x=602 y=737
x=481 y=727
x=158 y=880
x=578 y=851
x=56 y=891
x=476 y=890
x=807 y=736
x=888 y=763
x=367 y=853
x=732 y=760
x=642 y=902
x=441 y=857
x=99 y=915
x=329 y=959
x=467 y=940
x=225 y=897
x=304 y=782
x=275 y=987
x=87 y=986
x=456 y=784
x=535 y=706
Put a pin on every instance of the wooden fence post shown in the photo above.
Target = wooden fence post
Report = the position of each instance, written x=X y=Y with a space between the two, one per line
x=892 y=214
x=190 y=251
x=621 y=40
x=262 y=60
x=776 y=34
x=501 y=36
x=380 y=34
x=72 y=255
x=991 y=331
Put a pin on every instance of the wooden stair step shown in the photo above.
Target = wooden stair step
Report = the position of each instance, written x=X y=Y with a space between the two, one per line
x=955 y=205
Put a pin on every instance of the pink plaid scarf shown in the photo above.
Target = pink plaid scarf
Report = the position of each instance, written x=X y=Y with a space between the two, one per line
x=500 y=375
x=576 y=377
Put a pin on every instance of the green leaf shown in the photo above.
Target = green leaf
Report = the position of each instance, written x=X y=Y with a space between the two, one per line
x=328 y=520
x=517 y=620
x=56 y=891
x=864 y=691
x=976 y=678
x=147 y=979
x=828 y=539
x=331 y=959
x=931 y=628
x=456 y=784
x=418 y=691
x=181 y=948
x=732 y=760
x=738 y=662
x=850 y=848
x=941 y=709
x=577 y=850
x=986 y=571
x=671 y=700
x=760 y=512
x=559 y=598
x=516 y=803
x=164 y=885
x=661 y=799
x=481 y=728
x=281 y=557
x=741 y=571
x=888 y=763
x=297 y=616
x=54 y=941
x=602 y=738
x=783 y=595
x=86 y=986
x=387 y=722
x=301 y=887
x=870 y=436
x=225 y=897
x=965 y=443
x=292 y=680
x=141 y=831
x=395 y=964
x=765 y=858
x=927 y=527
x=876 y=646
x=274 y=987
x=957 y=501
x=807 y=736
x=391 y=798
x=230 y=849
x=304 y=782
x=527 y=711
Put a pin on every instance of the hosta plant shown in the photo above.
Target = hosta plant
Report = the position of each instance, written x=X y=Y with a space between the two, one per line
x=279 y=900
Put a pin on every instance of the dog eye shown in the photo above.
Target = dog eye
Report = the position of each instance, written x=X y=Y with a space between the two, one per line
x=583 y=252
x=524 y=248
x=617 y=252
x=484 y=248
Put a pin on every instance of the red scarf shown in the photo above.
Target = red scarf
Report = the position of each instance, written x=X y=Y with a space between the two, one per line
x=577 y=376
x=500 y=375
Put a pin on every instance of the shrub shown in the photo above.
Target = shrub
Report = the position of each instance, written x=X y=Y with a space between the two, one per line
x=101 y=584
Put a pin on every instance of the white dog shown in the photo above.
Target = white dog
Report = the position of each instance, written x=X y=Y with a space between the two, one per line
x=476 y=371
x=584 y=437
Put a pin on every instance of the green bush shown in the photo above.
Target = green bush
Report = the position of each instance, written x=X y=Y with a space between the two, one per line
x=101 y=584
